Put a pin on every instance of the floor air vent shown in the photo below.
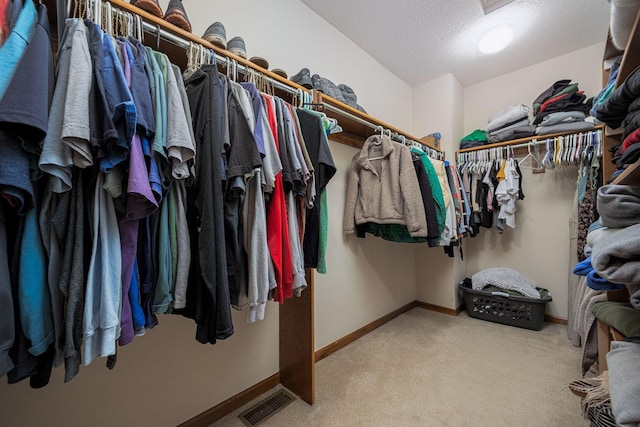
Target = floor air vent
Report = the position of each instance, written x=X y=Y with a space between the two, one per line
x=266 y=408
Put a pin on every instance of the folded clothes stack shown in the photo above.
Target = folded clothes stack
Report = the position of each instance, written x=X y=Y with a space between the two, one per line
x=622 y=109
x=476 y=138
x=562 y=107
x=509 y=123
x=564 y=121
x=623 y=359
x=606 y=92
x=613 y=242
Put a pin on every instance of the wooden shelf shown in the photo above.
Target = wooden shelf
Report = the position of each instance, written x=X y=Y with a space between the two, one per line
x=631 y=58
x=610 y=51
x=609 y=131
x=354 y=128
x=630 y=176
x=630 y=61
x=355 y=132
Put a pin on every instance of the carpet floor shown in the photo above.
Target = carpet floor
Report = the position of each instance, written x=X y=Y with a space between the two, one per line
x=430 y=369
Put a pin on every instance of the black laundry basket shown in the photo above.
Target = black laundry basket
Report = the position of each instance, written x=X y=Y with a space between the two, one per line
x=500 y=307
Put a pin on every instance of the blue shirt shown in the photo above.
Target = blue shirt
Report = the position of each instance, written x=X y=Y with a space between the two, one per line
x=16 y=44
x=120 y=103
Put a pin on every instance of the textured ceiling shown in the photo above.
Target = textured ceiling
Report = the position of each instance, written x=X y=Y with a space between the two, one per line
x=420 y=40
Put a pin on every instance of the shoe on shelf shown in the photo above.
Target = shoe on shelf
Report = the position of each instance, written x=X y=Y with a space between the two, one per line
x=280 y=72
x=303 y=78
x=237 y=47
x=177 y=16
x=349 y=95
x=260 y=62
x=216 y=35
x=151 y=6
x=327 y=87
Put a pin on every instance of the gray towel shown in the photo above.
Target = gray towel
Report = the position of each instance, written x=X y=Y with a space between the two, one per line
x=619 y=205
x=634 y=295
x=564 y=127
x=562 y=117
x=505 y=278
x=616 y=256
x=598 y=234
x=513 y=133
x=520 y=123
x=623 y=361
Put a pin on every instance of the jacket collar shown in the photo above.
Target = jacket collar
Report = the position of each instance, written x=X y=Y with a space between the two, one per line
x=384 y=142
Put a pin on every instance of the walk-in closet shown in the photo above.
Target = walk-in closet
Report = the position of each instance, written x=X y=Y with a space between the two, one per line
x=322 y=213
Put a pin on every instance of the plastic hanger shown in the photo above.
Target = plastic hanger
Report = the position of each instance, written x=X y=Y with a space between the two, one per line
x=566 y=152
x=139 y=29
x=381 y=130
x=547 y=161
x=379 y=142
x=529 y=155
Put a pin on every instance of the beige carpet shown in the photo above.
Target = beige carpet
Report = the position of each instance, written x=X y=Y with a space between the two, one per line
x=430 y=369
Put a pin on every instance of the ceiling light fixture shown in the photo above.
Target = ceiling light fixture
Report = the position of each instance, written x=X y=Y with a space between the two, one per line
x=495 y=39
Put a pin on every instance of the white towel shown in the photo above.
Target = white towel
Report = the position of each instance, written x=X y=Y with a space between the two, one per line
x=509 y=114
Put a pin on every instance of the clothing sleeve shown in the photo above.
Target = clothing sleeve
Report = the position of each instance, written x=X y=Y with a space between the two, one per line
x=75 y=127
x=326 y=168
x=427 y=200
x=180 y=147
x=7 y=325
x=414 y=208
x=243 y=155
x=353 y=191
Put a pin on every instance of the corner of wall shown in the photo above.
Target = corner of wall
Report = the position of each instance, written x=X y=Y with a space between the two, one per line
x=438 y=106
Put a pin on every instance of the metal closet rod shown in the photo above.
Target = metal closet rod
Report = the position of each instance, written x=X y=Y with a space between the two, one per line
x=532 y=143
x=536 y=141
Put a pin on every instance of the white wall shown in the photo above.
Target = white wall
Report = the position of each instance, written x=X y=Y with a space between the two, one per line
x=161 y=379
x=523 y=86
x=367 y=278
x=166 y=377
x=291 y=36
x=437 y=106
x=539 y=247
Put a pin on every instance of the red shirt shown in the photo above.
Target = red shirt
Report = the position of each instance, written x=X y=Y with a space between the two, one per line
x=277 y=229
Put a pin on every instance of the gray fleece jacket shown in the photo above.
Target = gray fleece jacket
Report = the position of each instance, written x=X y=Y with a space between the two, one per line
x=383 y=188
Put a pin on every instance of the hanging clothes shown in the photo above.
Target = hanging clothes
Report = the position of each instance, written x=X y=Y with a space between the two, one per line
x=277 y=217
x=16 y=44
x=507 y=193
x=129 y=192
x=324 y=167
x=23 y=115
x=208 y=298
x=400 y=233
x=383 y=188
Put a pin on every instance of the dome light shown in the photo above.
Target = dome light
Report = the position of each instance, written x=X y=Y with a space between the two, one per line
x=495 y=40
